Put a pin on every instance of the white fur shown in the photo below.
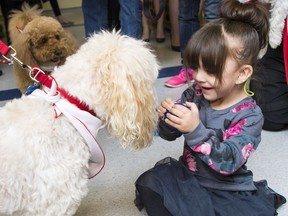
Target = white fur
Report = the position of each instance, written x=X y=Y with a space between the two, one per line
x=43 y=160
x=278 y=11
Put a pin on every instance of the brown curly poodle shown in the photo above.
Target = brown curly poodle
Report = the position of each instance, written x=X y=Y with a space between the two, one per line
x=39 y=41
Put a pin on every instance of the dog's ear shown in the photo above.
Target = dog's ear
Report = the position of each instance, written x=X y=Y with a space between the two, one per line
x=115 y=75
x=127 y=72
x=71 y=41
x=22 y=45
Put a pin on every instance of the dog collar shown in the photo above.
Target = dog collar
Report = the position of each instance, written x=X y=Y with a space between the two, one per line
x=48 y=69
x=46 y=80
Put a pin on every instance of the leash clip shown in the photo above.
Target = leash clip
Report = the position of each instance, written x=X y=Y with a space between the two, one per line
x=34 y=72
x=4 y=50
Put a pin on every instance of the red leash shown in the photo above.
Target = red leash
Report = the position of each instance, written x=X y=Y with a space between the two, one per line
x=4 y=49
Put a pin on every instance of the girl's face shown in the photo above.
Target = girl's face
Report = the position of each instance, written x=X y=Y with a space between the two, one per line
x=220 y=95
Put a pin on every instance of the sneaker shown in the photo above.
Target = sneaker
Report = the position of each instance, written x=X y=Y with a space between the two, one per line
x=179 y=79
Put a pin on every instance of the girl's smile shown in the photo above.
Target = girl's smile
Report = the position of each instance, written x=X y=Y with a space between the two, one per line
x=221 y=95
x=206 y=90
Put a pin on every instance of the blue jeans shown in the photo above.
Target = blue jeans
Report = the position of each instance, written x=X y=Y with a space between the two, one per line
x=131 y=17
x=211 y=10
x=95 y=13
x=189 y=19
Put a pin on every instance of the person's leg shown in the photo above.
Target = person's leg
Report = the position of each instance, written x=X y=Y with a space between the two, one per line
x=188 y=25
x=113 y=14
x=55 y=7
x=145 y=28
x=95 y=14
x=272 y=94
x=272 y=126
x=131 y=18
x=211 y=10
x=57 y=13
x=174 y=23
x=34 y=2
x=160 y=33
x=188 y=21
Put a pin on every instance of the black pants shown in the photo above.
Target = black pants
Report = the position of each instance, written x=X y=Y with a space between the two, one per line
x=55 y=7
x=271 y=93
x=113 y=14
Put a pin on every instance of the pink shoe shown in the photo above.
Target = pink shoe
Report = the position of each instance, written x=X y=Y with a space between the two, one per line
x=179 y=79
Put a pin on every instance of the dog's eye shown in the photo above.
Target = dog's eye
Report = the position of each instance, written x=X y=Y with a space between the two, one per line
x=43 y=40
x=57 y=37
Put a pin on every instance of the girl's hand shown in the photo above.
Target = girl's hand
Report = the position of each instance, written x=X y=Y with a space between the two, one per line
x=165 y=106
x=185 y=119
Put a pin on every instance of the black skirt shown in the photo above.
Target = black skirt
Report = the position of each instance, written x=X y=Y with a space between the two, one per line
x=183 y=195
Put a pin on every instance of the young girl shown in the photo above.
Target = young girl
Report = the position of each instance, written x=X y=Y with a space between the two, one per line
x=220 y=122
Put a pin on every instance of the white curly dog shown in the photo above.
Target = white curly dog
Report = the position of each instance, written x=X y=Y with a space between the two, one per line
x=48 y=138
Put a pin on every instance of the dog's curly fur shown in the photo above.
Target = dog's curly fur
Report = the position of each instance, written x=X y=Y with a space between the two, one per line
x=39 y=41
x=43 y=159
x=279 y=12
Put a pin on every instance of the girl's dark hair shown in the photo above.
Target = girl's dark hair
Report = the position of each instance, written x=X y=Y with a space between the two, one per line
x=247 y=23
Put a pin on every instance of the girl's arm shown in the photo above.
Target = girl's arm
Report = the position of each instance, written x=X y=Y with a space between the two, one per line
x=227 y=152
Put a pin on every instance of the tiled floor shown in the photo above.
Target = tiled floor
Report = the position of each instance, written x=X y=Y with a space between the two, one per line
x=112 y=191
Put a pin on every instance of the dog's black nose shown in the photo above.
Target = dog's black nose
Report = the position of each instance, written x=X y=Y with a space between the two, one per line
x=58 y=52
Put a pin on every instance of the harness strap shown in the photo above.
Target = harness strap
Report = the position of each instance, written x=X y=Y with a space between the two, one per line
x=85 y=123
